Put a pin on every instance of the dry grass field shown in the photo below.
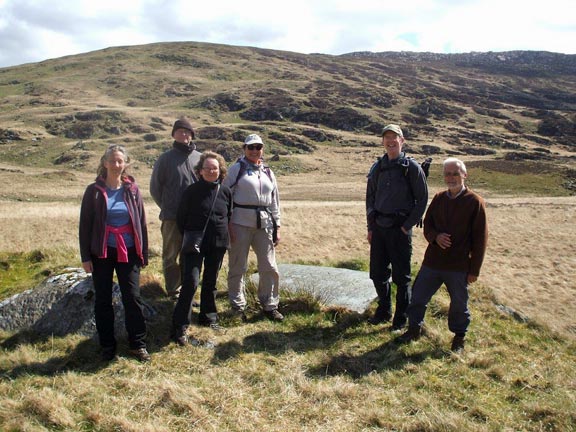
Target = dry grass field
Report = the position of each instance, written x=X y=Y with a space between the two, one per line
x=529 y=265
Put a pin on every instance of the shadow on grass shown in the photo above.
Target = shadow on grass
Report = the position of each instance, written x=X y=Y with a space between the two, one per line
x=325 y=331
x=84 y=358
x=86 y=355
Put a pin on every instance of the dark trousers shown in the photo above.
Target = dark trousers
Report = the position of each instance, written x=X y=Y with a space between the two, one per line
x=128 y=275
x=390 y=255
x=427 y=283
x=191 y=267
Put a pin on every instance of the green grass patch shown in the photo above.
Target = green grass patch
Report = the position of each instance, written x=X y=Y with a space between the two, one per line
x=518 y=177
x=22 y=271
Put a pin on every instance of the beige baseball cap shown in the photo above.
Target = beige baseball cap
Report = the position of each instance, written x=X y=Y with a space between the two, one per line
x=394 y=128
x=253 y=139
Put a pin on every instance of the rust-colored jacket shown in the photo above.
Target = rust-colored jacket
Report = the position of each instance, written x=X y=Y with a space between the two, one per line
x=464 y=218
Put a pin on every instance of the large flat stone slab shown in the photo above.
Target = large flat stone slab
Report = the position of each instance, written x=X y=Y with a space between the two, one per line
x=351 y=289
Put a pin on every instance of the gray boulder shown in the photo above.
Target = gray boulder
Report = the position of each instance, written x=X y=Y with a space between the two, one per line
x=60 y=305
x=350 y=289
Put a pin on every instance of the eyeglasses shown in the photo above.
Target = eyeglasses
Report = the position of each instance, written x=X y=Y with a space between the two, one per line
x=452 y=174
x=211 y=169
x=254 y=146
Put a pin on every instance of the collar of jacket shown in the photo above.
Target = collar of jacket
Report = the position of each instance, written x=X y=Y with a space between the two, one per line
x=183 y=147
x=127 y=182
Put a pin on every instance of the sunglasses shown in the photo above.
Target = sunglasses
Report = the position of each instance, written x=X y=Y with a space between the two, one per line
x=254 y=146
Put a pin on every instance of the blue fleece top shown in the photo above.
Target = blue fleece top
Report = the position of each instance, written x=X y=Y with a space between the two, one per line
x=117 y=215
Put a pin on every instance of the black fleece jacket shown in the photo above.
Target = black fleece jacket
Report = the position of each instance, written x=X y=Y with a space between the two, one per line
x=195 y=206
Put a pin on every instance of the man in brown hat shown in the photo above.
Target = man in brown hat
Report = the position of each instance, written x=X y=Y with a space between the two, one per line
x=173 y=172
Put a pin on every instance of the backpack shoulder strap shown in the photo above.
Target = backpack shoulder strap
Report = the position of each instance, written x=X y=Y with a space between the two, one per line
x=374 y=171
x=241 y=171
x=268 y=172
x=244 y=167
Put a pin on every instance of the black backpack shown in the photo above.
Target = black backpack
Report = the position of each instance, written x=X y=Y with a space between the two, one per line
x=404 y=164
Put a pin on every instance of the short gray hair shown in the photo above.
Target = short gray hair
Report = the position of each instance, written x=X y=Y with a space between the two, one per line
x=458 y=163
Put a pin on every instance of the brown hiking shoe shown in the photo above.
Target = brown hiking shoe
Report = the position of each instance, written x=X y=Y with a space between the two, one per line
x=140 y=354
x=457 y=344
x=274 y=315
x=239 y=314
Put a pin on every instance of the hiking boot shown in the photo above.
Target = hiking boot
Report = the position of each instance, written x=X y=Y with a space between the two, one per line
x=397 y=328
x=457 y=344
x=216 y=327
x=380 y=316
x=413 y=333
x=181 y=340
x=239 y=314
x=108 y=353
x=140 y=354
x=274 y=315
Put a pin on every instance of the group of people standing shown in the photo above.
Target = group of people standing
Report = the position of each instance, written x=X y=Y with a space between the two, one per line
x=232 y=209
x=238 y=208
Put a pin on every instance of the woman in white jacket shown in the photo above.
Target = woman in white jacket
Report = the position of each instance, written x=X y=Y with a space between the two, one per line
x=255 y=223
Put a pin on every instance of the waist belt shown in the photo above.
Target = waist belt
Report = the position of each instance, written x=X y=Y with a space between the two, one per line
x=258 y=209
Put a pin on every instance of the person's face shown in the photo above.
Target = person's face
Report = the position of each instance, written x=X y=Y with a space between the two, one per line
x=183 y=136
x=453 y=177
x=210 y=170
x=392 y=144
x=115 y=164
x=253 y=152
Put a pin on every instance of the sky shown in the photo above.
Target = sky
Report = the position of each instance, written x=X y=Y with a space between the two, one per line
x=37 y=30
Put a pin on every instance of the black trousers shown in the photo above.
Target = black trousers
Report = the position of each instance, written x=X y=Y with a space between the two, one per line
x=191 y=267
x=128 y=275
x=390 y=255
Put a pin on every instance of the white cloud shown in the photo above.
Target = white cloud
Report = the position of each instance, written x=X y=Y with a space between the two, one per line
x=34 y=30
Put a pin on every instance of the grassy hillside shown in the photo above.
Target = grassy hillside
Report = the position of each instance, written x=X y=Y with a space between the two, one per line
x=513 y=106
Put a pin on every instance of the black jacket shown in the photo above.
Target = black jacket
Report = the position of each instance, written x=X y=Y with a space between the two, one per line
x=396 y=189
x=195 y=206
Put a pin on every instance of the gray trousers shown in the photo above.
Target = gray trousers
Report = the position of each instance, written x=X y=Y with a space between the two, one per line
x=263 y=247
x=425 y=286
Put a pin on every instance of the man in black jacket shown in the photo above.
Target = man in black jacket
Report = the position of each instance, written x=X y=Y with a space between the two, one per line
x=396 y=198
x=173 y=172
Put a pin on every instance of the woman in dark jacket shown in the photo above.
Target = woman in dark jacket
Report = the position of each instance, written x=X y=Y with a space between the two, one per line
x=192 y=215
x=113 y=237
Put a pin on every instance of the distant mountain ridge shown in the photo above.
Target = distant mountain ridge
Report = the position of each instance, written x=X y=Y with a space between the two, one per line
x=508 y=61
